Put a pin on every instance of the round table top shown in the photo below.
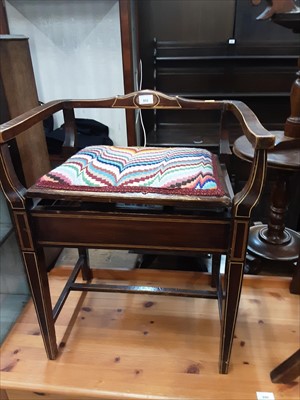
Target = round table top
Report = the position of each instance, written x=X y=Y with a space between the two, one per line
x=279 y=158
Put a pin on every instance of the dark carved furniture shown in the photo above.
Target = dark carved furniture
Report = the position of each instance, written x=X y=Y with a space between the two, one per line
x=137 y=218
x=274 y=242
x=18 y=93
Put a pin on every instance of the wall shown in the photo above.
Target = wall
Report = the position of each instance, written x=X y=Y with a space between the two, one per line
x=76 y=52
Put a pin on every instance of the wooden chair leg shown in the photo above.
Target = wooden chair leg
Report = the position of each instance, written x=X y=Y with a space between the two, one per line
x=39 y=286
x=295 y=282
x=288 y=370
x=233 y=285
x=87 y=273
x=145 y=260
x=3 y=394
x=215 y=269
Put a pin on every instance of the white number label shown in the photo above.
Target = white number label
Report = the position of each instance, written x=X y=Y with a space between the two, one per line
x=146 y=99
x=265 y=396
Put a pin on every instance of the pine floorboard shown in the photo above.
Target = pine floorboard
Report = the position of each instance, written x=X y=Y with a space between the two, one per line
x=137 y=347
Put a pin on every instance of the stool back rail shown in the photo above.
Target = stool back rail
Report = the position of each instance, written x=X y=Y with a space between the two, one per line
x=157 y=222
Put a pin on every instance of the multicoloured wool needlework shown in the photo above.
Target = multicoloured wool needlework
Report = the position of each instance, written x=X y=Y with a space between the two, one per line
x=178 y=171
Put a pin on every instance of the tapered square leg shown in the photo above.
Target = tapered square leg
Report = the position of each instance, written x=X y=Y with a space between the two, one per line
x=233 y=285
x=87 y=273
x=39 y=286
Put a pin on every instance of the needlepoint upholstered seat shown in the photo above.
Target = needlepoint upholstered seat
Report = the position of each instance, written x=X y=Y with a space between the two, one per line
x=137 y=198
x=115 y=171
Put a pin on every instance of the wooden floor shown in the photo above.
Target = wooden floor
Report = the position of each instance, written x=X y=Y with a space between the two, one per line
x=137 y=347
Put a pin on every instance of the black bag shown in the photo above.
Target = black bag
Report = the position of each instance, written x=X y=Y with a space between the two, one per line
x=89 y=133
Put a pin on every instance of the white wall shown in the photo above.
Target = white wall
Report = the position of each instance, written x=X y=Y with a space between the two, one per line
x=76 y=52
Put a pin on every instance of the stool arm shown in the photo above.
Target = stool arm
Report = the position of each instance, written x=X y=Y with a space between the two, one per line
x=252 y=128
x=257 y=135
x=260 y=138
x=11 y=129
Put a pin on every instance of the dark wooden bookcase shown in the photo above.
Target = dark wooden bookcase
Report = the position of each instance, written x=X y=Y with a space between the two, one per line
x=240 y=58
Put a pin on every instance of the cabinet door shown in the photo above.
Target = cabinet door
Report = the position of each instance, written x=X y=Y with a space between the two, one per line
x=20 y=93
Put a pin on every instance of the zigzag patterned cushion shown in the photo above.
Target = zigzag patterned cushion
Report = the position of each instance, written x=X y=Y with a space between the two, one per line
x=188 y=171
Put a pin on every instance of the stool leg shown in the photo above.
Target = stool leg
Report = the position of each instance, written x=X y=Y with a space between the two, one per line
x=288 y=370
x=234 y=272
x=295 y=282
x=215 y=269
x=233 y=284
x=87 y=273
x=39 y=286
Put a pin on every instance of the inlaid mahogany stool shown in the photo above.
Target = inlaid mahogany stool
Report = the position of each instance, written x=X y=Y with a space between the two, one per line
x=141 y=199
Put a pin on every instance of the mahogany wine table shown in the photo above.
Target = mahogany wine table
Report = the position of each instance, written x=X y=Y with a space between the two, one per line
x=274 y=241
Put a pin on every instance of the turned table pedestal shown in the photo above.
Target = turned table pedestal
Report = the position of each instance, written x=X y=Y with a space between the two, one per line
x=275 y=242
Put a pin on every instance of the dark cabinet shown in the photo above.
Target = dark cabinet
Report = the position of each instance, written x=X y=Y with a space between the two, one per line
x=229 y=55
